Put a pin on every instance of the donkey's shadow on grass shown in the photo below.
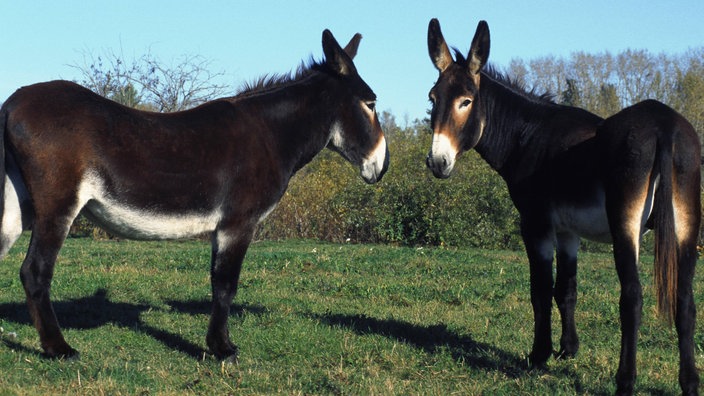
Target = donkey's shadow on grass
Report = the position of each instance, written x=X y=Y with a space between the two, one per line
x=435 y=339
x=98 y=310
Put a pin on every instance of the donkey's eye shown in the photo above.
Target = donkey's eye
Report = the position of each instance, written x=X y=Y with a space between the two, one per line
x=465 y=103
x=371 y=105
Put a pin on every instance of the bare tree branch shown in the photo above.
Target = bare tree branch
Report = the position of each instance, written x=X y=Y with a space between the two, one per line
x=148 y=82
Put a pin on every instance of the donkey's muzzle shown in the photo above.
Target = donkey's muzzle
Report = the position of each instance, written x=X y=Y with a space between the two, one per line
x=440 y=165
x=374 y=168
x=376 y=165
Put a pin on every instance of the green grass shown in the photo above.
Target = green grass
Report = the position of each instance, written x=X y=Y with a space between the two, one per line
x=317 y=318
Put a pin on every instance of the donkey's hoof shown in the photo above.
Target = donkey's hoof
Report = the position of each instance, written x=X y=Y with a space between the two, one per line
x=565 y=354
x=232 y=359
x=66 y=353
x=538 y=360
x=227 y=354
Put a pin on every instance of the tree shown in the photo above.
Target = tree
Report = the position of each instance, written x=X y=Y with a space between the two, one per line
x=149 y=83
x=127 y=95
x=572 y=95
x=637 y=73
x=608 y=102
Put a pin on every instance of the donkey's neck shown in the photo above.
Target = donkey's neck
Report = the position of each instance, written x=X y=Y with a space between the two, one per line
x=299 y=117
x=513 y=118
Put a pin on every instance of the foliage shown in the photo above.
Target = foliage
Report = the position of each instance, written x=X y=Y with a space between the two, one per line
x=328 y=201
x=318 y=318
x=604 y=83
x=150 y=83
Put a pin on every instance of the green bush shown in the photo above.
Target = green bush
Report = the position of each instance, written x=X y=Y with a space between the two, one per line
x=328 y=201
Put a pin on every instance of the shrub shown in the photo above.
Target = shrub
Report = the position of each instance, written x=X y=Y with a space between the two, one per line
x=328 y=201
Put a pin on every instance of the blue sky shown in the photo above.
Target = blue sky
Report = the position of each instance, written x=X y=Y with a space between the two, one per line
x=246 y=39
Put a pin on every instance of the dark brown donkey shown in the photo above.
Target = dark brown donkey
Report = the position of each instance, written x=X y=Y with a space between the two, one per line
x=219 y=168
x=571 y=174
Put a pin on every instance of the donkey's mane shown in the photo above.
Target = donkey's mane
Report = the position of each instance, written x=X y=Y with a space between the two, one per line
x=271 y=82
x=512 y=84
x=517 y=86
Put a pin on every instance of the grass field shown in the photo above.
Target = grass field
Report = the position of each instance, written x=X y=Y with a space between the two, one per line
x=316 y=318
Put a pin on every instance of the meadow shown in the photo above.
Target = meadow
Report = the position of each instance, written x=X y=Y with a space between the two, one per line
x=320 y=318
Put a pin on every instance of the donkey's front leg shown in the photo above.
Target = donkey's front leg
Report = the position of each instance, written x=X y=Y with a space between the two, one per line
x=540 y=250
x=229 y=248
x=566 y=292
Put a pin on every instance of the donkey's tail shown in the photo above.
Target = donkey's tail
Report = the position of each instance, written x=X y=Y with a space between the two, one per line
x=3 y=170
x=666 y=250
x=16 y=211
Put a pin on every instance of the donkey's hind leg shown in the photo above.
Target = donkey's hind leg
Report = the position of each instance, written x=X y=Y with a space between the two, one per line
x=685 y=317
x=36 y=273
x=626 y=195
x=687 y=205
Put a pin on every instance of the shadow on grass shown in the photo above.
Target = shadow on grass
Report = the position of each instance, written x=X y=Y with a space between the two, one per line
x=97 y=310
x=438 y=338
x=433 y=339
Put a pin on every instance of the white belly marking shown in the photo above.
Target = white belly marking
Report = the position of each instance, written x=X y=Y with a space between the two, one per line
x=139 y=223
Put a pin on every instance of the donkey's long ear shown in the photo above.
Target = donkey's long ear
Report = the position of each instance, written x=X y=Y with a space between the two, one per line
x=479 y=52
x=335 y=57
x=351 y=47
x=437 y=47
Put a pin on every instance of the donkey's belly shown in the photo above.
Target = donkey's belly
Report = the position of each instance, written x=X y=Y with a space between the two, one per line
x=120 y=216
x=591 y=222
x=588 y=222
x=135 y=223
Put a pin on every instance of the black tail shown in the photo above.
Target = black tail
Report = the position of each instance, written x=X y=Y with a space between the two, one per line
x=666 y=254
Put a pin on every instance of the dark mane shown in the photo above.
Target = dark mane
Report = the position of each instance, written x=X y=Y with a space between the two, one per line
x=272 y=82
x=508 y=82
x=517 y=87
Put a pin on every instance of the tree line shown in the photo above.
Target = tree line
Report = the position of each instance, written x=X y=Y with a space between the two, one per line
x=605 y=83
x=327 y=201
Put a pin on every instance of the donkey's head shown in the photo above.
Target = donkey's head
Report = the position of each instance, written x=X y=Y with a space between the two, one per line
x=355 y=132
x=458 y=116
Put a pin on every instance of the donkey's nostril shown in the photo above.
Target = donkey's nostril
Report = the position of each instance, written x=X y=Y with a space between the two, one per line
x=444 y=161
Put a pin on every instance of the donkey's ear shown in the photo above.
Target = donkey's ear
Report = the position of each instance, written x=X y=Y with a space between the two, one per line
x=479 y=52
x=351 y=47
x=335 y=57
x=437 y=47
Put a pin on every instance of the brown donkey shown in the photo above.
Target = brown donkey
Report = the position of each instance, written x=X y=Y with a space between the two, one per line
x=219 y=168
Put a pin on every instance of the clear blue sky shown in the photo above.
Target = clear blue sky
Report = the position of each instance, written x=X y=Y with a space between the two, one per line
x=246 y=39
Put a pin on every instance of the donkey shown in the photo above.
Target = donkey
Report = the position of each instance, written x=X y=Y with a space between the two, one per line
x=219 y=168
x=572 y=174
